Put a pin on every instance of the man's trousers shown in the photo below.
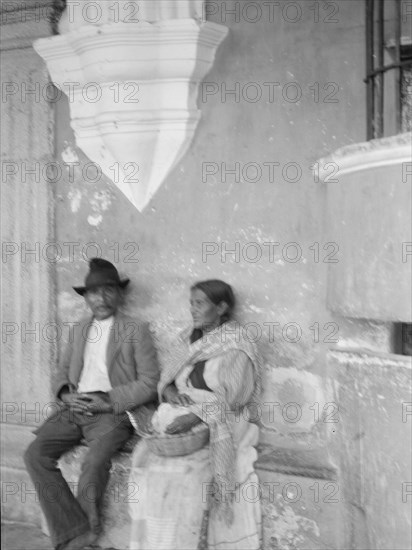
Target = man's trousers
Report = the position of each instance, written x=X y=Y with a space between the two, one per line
x=68 y=516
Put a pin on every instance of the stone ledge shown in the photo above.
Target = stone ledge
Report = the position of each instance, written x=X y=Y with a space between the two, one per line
x=275 y=464
x=313 y=463
x=366 y=155
x=361 y=358
x=298 y=463
x=19 y=502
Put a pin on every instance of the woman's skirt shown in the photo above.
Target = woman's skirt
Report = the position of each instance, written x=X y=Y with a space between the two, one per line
x=172 y=508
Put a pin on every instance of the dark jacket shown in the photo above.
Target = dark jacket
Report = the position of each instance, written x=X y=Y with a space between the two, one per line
x=131 y=361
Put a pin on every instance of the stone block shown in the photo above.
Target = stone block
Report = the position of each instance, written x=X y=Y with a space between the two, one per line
x=296 y=408
x=369 y=217
x=19 y=501
x=300 y=513
x=372 y=447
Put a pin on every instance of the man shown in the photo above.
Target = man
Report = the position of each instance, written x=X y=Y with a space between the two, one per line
x=110 y=367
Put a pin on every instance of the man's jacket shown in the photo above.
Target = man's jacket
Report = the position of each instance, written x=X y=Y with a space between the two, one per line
x=131 y=362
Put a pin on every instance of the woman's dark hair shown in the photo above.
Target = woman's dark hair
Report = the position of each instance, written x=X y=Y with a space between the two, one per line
x=218 y=291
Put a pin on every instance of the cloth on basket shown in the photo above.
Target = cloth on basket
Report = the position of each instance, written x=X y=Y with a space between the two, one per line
x=165 y=415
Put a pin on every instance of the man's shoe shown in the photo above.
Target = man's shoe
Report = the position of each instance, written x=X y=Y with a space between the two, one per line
x=81 y=542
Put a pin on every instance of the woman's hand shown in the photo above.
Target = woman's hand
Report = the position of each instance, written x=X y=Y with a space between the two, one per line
x=170 y=393
x=183 y=423
x=173 y=397
x=183 y=400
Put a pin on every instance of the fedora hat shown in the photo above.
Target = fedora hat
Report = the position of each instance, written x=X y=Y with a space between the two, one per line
x=101 y=272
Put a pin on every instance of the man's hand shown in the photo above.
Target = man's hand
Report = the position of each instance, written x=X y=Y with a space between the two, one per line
x=88 y=404
x=98 y=404
x=77 y=402
x=183 y=424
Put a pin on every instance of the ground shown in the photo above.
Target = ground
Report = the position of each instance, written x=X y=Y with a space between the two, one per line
x=16 y=536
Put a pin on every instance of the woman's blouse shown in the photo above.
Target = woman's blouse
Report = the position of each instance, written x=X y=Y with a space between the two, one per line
x=232 y=371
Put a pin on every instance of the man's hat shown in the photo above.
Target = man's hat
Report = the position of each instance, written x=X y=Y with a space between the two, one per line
x=101 y=272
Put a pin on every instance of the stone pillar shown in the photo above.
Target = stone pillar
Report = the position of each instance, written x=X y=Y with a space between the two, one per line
x=368 y=213
x=28 y=334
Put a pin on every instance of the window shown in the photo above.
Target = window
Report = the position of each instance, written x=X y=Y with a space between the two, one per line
x=388 y=68
x=389 y=92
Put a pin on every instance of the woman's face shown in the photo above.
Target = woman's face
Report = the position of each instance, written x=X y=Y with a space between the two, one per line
x=206 y=315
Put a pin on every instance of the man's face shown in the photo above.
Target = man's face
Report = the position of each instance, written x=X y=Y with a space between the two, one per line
x=103 y=300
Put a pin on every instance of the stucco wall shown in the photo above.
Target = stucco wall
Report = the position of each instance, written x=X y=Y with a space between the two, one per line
x=195 y=217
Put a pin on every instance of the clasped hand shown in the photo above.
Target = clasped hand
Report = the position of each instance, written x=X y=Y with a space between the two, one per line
x=87 y=404
x=182 y=423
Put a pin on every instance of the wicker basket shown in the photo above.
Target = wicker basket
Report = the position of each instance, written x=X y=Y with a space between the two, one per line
x=167 y=444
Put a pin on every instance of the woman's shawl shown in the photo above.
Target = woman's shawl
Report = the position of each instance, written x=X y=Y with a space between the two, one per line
x=216 y=405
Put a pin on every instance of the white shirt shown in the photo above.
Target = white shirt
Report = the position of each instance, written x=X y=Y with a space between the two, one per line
x=94 y=376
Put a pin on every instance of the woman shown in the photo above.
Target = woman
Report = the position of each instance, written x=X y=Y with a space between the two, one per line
x=183 y=500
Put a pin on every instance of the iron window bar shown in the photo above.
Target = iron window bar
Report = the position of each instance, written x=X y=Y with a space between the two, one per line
x=375 y=48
